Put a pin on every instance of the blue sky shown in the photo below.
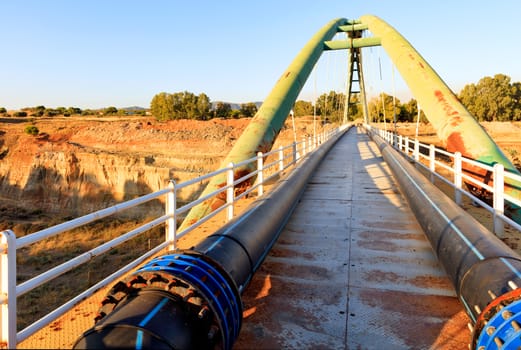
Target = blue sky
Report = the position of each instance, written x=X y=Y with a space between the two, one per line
x=99 y=53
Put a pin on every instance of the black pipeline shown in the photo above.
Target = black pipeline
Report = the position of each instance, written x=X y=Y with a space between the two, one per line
x=191 y=299
x=484 y=271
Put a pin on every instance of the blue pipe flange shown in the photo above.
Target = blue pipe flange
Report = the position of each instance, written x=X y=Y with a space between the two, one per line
x=503 y=330
x=210 y=281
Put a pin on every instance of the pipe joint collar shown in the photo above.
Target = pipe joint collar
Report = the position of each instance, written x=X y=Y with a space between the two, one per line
x=503 y=330
x=211 y=282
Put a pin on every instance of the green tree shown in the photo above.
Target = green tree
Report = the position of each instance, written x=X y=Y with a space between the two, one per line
x=382 y=106
x=203 y=106
x=223 y=110
x=50 y=112
x=61 y=110
x=492 y=99
x=331 y=106
x=187 y=106
x=303 y=108
x=88 y=112
x=516 y=115
x=355 y=108
x=374 y=108
x=162 y=106
x=410 y=112
x=32 y=130
x=39 y=111
x=180 y=105
x=248 y=109
x=73 y=111
x=235 y=114
x=110 y=110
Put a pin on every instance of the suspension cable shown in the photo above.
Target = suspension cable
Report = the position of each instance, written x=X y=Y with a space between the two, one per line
x=328 y=83
x=382 y=97
x=394 y=100
x=315 y=94
x=418 y=118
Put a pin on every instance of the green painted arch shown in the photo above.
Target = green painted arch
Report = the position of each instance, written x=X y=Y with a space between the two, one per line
x=455 y=126
x=261 y=132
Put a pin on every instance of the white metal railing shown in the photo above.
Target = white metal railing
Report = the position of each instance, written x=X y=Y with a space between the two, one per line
x=432 y=159
x=279 y=160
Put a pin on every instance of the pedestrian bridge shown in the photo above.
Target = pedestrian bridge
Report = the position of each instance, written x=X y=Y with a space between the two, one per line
x=352 y=247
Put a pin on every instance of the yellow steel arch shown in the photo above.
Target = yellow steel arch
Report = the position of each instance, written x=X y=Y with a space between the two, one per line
x=455 y=126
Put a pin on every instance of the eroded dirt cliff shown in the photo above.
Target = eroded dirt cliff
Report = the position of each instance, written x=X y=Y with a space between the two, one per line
x=78 y=165
x=75 y=166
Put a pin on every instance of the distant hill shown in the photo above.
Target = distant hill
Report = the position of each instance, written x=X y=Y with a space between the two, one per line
x=232 y=105
x=133 y=108
x=235 y=105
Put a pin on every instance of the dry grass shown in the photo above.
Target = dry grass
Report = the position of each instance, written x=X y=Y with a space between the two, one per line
x=53 y=251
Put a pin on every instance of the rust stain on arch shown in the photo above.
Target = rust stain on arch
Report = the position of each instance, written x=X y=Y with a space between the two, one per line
x=446 y=106
x=455 y=121
x=455 y=143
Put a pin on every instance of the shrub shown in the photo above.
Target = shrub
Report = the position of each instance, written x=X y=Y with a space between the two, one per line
x=110 y=110
x=20 y=114
x=31 y=130
x=51 y=112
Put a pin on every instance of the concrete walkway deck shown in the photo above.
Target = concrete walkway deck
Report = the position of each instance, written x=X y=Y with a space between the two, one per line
x=352 y=269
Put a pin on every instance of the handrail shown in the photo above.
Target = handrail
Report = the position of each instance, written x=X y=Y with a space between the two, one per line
x=483 y=270
x=280 y=160
x=434 y=159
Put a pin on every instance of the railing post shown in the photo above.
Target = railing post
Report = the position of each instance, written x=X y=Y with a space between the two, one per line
x=8 y=289
x=303 y=146
x=432 y=160
x=230 y=192
x=406 y=144
x=260 y=175
x=400 y=142
x=171 y=222
x=416 y=150
x=295 y=153
x=310 y=144
x=499 y=199
x=457 y=178
x=281 y=159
